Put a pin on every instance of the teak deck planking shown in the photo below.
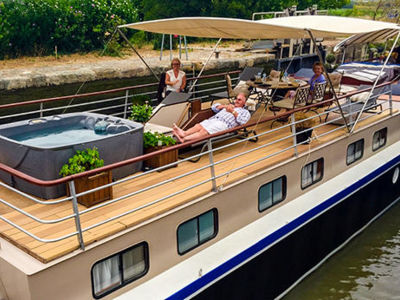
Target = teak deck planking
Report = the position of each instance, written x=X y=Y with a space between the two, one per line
x=46 y=252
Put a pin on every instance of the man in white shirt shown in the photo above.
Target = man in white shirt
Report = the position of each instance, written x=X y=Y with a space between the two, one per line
x=226 y=117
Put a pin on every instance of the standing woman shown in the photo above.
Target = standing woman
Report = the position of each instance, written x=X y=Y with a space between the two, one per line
x=175 y=79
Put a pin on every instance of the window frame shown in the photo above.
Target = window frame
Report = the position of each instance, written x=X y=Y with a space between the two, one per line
x=362 y=151
x=121 y=270
x=284 y=192
x=312 y=182
x=379 y=132
x=216 y=227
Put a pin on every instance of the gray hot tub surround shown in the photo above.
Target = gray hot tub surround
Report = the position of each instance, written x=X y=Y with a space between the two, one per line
x=26 y=146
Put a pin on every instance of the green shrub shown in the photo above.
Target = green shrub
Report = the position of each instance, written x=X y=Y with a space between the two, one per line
x=141 y=113
x=82 y=161
x=157 y=140
x=35 y=27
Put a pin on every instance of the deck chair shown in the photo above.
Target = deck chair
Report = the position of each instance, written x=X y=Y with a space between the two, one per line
x=355 y=103
x=247 y=74
x=317 y=95
x=299 y=100
x=168 y=112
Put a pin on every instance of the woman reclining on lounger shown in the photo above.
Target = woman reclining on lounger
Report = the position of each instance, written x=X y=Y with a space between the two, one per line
x=226 y=117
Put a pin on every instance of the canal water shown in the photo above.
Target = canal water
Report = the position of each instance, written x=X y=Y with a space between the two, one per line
x=366 y=268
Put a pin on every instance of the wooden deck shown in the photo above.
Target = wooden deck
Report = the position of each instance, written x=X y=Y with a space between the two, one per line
x=46 y=252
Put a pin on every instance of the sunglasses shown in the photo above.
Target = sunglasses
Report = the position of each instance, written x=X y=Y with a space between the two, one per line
x=176 y=64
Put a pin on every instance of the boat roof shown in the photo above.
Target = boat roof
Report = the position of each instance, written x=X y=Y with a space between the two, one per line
x=277 y=28
x=368 y=37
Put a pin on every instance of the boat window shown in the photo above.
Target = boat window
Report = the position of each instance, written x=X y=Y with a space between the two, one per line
x=379 y=139
x=355 y=151
x=197 y=231
x=271 y=193
x=312 y=173
x=120 y=269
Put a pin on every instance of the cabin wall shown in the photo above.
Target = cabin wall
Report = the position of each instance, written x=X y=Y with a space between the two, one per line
x=237 y=206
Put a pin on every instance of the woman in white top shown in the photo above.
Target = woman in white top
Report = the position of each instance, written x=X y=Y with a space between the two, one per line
x=175 y=79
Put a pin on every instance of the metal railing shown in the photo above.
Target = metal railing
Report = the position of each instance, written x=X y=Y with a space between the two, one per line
x=211 y=165
x=115 y=102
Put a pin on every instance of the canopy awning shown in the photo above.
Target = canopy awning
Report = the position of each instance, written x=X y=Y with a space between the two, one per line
x=363 y=38
x=277 y=28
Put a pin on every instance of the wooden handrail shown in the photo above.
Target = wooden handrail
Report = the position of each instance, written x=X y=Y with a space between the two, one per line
x=40 y=182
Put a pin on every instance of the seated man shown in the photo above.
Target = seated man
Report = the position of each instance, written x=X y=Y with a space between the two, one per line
x=226 y=117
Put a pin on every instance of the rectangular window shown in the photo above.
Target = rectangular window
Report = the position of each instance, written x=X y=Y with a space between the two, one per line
x=312 y=173
x=197 y=231
x=355 y=151
x=271 y=193
x=379 y=139
x=120 y=269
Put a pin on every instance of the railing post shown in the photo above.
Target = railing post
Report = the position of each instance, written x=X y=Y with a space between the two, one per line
x=126 y=103
x=293 y=127
x=76 y=212
x=212 y=169
x=390 y=101
x=41 y=109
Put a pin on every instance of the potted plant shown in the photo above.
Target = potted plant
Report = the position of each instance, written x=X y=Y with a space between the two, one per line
x=330 y=65
x=83 y=161
x=141 y=112
x=156 y=141
x=304 y=126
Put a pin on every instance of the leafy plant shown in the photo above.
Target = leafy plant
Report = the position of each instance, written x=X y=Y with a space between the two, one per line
x=141 y=113
x=330 y=58
x=157 y=139
x=81 y=162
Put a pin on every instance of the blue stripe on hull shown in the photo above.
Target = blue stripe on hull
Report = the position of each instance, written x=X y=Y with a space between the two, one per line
x=283 y=231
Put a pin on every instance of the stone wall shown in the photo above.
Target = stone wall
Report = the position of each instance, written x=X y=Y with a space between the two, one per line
x=63 y=74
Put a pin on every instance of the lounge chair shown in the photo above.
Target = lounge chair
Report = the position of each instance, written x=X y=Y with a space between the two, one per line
x=171 y=110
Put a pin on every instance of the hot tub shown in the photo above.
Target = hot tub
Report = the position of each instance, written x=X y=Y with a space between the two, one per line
x=40 y=147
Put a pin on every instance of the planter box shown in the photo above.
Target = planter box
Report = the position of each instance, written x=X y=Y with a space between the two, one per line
x=91 y=182
x=162 y=159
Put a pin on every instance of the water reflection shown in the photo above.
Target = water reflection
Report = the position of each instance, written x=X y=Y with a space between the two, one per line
x=367 y=268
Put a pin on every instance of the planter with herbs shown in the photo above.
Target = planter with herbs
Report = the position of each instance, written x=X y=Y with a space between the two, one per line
x=156 y=141
x=83 y=161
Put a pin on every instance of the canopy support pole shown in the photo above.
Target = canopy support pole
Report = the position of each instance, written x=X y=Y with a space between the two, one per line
x=137 y=53
x=186 y=49
x=204 y=66
x=162 y=46
x=376 y=82
x=329 y=81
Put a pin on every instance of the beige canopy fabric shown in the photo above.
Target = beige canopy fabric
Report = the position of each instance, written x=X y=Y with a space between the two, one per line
x=277 y=28
x=363 y=38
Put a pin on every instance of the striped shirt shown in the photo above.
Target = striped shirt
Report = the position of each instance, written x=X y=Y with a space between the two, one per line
x=228 y=118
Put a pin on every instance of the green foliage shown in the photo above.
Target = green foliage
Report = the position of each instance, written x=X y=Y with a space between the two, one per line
x=35 y=27
x=157 y=140
x=141 y=113
x=81 y=162
x=330 y=58
x=140 y=99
